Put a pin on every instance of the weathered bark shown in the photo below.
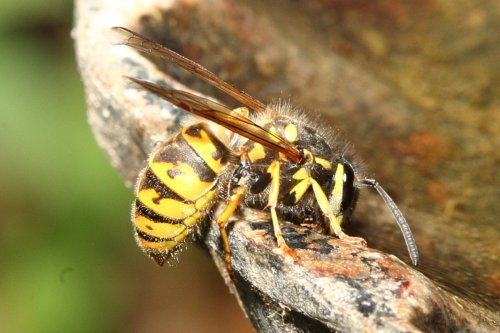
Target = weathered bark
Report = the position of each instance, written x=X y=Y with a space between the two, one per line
x=331 y=286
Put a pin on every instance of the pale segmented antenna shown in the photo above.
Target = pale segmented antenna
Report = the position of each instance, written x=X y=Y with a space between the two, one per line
x=400 y=219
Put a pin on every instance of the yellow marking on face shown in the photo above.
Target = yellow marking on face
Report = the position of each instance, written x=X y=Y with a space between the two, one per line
x=166 y=207
x=300 y=174
x=170 y=231
x=257 y=152
x=324 y=163
x=338 y=189
x=205 y=148
x=299 y=189
x=185 y=182
x=291 y=132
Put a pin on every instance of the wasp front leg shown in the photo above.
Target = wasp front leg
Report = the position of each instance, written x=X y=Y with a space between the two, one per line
x=334 y=216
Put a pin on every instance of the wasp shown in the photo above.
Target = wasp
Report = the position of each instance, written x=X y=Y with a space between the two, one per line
x=264 y=157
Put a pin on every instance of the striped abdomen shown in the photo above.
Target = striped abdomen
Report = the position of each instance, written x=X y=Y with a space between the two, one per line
x=177 y=189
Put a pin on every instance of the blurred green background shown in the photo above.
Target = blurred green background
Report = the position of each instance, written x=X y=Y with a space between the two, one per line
x=68 y=261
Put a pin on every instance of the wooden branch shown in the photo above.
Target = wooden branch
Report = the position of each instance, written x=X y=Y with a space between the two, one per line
x=331 y=285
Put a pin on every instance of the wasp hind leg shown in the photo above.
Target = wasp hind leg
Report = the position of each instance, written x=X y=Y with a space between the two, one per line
x=222 y=221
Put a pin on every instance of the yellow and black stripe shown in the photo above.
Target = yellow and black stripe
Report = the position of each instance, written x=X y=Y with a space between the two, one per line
x=177 y=189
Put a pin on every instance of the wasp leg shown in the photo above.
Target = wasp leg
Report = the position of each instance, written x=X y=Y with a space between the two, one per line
x=334 y=219
x=222 y=221
x=274 y=170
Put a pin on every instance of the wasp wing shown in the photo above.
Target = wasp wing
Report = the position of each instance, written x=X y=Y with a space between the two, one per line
x=223 y=116
x=137 y=41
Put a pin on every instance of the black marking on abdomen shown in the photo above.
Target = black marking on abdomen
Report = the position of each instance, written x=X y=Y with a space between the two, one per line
x=179 y=151
x=150 y=238
x=149 y=180
x=141 y=209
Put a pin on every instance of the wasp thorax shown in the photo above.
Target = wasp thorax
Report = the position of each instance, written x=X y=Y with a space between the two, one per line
x=318 y=189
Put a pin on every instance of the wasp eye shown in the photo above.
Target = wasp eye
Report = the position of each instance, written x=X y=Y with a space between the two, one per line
x=349 y=192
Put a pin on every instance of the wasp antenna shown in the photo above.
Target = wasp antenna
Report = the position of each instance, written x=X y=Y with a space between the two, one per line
x=400 y=219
